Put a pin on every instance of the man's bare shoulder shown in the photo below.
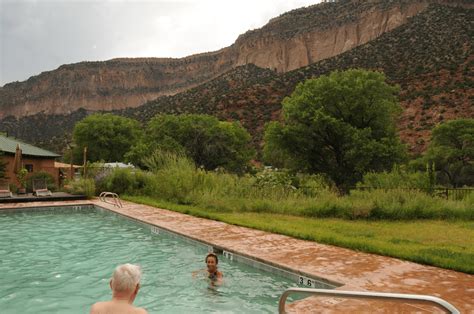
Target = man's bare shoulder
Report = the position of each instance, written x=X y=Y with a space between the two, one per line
x=110 y=307
x=98 y=307
x=141 y=310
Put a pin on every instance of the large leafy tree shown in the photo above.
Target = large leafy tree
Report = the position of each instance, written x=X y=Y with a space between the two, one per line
x=3 y=167
x=206 y=140
x=107 y=137
x=452 y=151
x=341 y=125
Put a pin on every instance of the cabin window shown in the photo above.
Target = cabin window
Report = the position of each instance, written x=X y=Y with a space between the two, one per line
x=29 y=167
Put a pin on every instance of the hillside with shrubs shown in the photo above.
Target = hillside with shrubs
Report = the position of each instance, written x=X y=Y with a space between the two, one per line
x=431 y=58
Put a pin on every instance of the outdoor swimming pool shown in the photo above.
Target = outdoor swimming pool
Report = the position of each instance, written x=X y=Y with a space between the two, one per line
x=61 y=260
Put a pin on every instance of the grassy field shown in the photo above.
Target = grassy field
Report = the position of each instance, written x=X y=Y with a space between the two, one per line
x=443 y=243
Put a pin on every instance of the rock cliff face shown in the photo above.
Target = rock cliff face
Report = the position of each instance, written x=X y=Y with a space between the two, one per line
x=431 y=58
x=290 y=41
x=109 y=85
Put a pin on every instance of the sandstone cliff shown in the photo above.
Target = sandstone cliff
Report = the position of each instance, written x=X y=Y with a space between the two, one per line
x=290 y=41
x=305 y=36
x=109 y=85
x=431 y=57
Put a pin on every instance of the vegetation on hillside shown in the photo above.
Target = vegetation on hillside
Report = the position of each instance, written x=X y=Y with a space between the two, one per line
x=430 y=57
x=323 y=16
x=341 y=126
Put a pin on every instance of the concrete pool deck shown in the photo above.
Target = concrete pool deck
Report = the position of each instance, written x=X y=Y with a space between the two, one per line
x=351 y=269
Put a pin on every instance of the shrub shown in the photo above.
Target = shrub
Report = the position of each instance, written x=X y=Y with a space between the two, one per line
x=315 y=184
x=3 y=166
x=176 y=179
x=162 y=159
x=173 y=176
x=82 y=187
x=398 y=177
x=271 y=178
x=41 y=175
x=98 y=173
x=21 y=176
x=121 y=181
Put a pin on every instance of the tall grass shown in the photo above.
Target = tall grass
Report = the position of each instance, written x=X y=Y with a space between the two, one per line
x=398 y=177
x=82 y=187
x=176 y=179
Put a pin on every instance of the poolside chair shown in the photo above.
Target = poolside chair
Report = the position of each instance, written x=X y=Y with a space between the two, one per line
x=40 y=188
x=5 y=189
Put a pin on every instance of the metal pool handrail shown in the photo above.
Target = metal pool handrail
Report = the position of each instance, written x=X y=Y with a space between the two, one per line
x=369 y=295
x=116 y=199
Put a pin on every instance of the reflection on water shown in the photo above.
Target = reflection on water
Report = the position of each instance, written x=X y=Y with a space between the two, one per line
x=62 y=263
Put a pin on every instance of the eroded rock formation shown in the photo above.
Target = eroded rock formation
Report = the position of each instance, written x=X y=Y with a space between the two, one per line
x=290 y=41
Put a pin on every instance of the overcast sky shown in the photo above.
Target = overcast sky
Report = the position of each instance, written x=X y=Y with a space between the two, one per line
x=41 y=35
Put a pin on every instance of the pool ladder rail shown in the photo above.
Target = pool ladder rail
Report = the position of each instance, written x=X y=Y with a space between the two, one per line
x=369 y=295
x=106 y=196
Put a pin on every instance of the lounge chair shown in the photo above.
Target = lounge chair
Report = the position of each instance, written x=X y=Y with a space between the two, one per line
x=5 y=189
x=40 y=188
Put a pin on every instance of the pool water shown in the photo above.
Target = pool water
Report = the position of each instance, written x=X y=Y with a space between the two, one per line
x=61 y=261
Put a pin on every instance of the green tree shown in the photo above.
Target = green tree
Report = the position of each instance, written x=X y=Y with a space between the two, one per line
x=206 y=140
x=107 y=137
x=341 y=125
x=451 y=150
x=3 y=167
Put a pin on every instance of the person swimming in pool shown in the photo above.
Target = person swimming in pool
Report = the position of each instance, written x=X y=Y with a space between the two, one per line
x=125 y=284
x=212 y=272
x=211 y=262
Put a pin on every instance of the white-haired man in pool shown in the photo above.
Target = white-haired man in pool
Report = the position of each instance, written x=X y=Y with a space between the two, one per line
x=125 y=284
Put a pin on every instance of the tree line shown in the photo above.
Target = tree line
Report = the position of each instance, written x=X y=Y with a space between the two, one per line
x=341 y=125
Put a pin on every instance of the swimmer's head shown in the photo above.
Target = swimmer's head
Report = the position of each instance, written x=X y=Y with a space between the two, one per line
x=211 y=255
x=211 y=262
x=126 y=278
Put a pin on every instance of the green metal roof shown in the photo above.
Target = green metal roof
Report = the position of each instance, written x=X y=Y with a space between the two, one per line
x=8 y=145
